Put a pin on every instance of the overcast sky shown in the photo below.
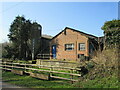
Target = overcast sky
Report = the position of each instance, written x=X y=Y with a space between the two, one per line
x=87 y=17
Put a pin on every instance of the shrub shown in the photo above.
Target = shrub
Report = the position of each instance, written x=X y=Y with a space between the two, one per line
x=82 y=58
x=90 y=65
x=102 y=70
x=107 y=58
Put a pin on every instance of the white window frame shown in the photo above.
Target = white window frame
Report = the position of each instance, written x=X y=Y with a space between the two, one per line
x=81 y=46
x=69 y=47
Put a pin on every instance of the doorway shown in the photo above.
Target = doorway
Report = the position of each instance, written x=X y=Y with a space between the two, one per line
x=54 y=51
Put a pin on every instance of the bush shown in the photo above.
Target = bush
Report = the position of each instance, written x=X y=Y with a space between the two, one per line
x=107 y=58
x=82 y=58
x=90 y=65
x=102 y=71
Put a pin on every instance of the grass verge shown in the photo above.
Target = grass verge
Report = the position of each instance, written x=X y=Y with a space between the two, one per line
x=106 y=82
x=27 y=81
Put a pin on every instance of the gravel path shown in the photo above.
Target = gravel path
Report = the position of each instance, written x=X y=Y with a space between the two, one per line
x=8 y=85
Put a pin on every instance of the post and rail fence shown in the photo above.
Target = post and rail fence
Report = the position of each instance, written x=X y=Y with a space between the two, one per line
x=20 y=69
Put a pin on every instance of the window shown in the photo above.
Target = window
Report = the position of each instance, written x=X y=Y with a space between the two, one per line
x=81 y=46
x=80 y=55
x=69 y=46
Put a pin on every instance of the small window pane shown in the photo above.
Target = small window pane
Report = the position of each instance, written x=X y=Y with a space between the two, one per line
x=69 y=46
x=81 y=46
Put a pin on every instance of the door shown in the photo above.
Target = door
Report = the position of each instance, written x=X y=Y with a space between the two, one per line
x=54 y=51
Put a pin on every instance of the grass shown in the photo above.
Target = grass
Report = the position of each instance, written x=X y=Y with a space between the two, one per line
x=106 y=82
x=55 y=74
x=104 y=74
x=62 y=60
x=46 y=73
x=27 y=81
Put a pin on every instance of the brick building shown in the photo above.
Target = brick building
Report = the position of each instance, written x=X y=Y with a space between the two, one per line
x=72 y=44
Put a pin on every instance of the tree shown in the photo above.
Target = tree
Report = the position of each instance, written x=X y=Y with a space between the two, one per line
x=112 y=33
x=35 y=39
x=22 y=34
x=16 y=35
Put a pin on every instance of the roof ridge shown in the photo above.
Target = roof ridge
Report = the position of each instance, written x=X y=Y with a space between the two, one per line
x=80 y=31
x=89 y=35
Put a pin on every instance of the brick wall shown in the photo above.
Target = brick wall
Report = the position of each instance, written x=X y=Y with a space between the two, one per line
x=69 y=37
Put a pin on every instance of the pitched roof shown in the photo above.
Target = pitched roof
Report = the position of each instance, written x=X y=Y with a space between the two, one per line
x=47 y=36
x=88 y=35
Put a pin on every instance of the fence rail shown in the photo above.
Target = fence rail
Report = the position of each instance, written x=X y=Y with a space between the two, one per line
x=25 y=67
x=43 y=66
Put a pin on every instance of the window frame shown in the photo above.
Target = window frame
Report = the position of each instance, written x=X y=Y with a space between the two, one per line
x=68 y=48
x=79 y=47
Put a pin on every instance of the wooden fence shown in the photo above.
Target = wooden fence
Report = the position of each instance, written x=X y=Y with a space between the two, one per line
x=24 y=68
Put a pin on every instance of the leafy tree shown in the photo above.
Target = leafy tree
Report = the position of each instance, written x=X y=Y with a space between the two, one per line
x=35 y=38
x=16 y=35
x=8 y=51
x=22 y=33
x=112 y=33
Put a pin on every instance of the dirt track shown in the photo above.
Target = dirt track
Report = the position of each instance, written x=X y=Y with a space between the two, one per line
x=7 y=86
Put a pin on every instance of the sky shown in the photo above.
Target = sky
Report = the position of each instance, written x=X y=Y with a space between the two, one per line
x=87 y=17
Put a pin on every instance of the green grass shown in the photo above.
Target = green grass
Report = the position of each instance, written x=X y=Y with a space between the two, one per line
x=47 y=73
x=106 y=82
x=55 y=74
x=27 y=81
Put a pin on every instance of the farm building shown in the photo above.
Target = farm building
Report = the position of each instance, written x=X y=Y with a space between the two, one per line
x=73 y=44
x=44 y=52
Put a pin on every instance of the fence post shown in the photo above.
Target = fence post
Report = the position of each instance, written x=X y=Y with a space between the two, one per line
x=51 y=69
x=12 y=65
x=40 y=64
x=25 y=67
x=5 y=66
x=43 y=56
x=72 y=76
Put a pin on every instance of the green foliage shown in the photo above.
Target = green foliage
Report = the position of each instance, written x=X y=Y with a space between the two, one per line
x=106 y=82
x=22 y=61
x=22 y=33
x=8 y=51
x=112 y=33
x=41 y=72
x=111 y=24
x=99 y=77
x=103 y=71
x=90 y=65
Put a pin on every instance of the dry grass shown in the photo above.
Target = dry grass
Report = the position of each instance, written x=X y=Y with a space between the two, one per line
x=107 y=58
x=105 y=73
